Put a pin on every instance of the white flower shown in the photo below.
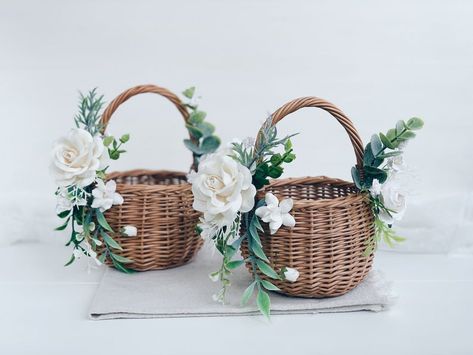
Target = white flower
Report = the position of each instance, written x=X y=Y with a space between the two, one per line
x=275 y=213
x=208 y=229
x=402 y=145
x=63 y=204
x=394 y=199
x=105 y=195
x=396 y=163
x=77 y=157
x=290 y=274
x=375 y=189
x=129 y=231
x=222 y=187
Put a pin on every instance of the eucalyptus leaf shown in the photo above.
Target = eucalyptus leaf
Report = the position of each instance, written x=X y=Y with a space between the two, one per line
x=193 y=147
x=407 y=135
x=415 y=123
x=189 y=93
x=197 y=117
x=206 y=128
x=376 y=144
x=400 y=127
x=355 y=174
x=210 y=144
x=194 y=131
x=386 y=141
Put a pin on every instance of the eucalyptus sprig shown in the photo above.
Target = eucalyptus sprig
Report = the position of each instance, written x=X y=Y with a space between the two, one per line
x=202 y=139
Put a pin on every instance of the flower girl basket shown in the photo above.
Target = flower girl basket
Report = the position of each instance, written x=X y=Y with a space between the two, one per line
x=157 y=202
x=334 y=222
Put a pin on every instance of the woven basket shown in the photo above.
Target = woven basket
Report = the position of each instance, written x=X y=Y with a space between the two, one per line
x=158 y=203
x=334 y=222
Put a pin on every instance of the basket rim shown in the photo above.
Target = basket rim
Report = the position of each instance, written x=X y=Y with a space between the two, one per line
x=342 y=201
x=150 y=188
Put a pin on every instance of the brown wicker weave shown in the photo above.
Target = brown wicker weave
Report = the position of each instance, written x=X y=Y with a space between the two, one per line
x=157 y=203
x=333 y=224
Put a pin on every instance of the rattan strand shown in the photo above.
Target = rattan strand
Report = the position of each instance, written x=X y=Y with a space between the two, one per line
x=334 y=221
x=158 y=203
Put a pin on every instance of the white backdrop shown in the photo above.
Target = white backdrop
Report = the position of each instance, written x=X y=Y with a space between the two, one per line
x=379 y=61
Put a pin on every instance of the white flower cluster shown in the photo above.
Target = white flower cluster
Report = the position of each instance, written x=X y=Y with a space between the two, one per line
x=391 y=193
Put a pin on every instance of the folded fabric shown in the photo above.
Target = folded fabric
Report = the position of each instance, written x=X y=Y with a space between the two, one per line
x=186 y=291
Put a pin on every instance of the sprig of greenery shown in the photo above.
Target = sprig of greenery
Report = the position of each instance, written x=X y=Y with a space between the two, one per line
x=381 y=147
x=89 y=115
x=202 y=141
x=261 y=159
x=375 y=152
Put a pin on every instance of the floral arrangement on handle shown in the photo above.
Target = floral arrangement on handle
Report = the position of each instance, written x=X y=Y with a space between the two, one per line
x=225 y=188
x=382 y=167
x=79 y=165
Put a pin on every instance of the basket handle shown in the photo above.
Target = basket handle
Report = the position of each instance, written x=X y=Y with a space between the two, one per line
x=312 y=101
x=141 y=89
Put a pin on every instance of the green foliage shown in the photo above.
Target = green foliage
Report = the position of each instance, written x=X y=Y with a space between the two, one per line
x=382 y=232
x=114 y=145
x=375 y=152
x=89 y=112
x=263 y=302
x=202 y=139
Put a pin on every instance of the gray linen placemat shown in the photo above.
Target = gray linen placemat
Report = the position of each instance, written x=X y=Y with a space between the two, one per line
x=187 y=291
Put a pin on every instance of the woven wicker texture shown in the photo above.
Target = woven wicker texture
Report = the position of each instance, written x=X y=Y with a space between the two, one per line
x=333 y=224
x=157 y=203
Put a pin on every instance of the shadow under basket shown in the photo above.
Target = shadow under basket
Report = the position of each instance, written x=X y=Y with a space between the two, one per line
x=334 y=223
x=159 y=205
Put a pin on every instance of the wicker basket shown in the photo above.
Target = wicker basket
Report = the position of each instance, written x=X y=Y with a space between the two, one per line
x=334 y=221
x=158 y=203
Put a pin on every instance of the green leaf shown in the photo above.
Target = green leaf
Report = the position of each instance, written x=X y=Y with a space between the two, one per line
x=415 y=123
x=253 y=230
x=266 y=269
x=125 y=138
x=121 y=259
x=390 y=154
x=122 y=268
x=257 y=223
x=263 y=302
x=258 y=251
x=235 y=264
x=189 y=93
x=102 y=221
x=247 y=293
x=108 y=140
x=386 y=141
x=102 y=258
x=210 y=144
x=71 y=260
x=376 y=173
x=391 y=135
x=193 y=147
x=288 y=158
x=376 y=144
x=400 y=126
x=206 y=128
x=407 y=135
x=64 y=214
x=197 y=117
x=63 y=226
x=288 y=145
x=369 y=159
x=269 y=286
x=275 y=172
x=110 y=241
x=194 y=131
x=276 y=159
x=232 y=249
x=355 y=174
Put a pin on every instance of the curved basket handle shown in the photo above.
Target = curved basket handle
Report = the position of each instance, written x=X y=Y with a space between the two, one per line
x=143 y=89
x=312 y=101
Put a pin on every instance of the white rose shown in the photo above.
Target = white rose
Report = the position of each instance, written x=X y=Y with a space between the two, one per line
x=275 y=213
x=221 y=189
x=290 y=274
x=394 y=199
x=77 y=157
x=129 y=231
x=105 y=195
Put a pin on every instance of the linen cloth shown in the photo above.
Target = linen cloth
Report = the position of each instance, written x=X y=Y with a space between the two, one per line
x=187 y=291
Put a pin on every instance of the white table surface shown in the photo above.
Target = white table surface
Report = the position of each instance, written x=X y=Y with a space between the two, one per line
x=43 y=310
